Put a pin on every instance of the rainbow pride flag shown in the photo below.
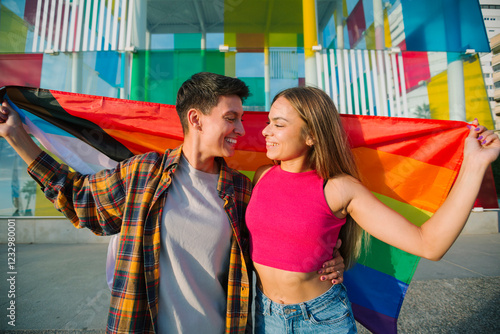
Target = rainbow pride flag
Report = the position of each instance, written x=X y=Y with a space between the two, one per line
x=409 y=164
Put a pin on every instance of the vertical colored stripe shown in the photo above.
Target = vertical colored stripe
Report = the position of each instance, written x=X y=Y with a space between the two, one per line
x=310 y=33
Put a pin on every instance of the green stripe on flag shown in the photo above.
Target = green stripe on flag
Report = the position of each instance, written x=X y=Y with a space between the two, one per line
x=388 y=259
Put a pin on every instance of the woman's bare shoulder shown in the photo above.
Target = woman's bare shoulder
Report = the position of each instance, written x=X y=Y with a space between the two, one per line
x=343 y=180
x=339 y=191
x=260 y=172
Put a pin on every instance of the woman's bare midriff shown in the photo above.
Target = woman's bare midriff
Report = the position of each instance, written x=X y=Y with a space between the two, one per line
x=289 y=287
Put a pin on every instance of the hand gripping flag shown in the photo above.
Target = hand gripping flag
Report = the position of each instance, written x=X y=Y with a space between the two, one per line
x=409 y=164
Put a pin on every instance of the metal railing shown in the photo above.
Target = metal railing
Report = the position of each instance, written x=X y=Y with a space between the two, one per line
x=83 y=25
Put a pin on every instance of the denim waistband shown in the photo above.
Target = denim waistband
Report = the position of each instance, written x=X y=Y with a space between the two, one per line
x=294 y=310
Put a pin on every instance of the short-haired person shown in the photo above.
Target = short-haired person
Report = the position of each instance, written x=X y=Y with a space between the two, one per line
x=315 y=167
x=182 y=264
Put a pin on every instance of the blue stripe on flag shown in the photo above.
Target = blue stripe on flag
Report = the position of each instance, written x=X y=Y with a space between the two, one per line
x=381 y=292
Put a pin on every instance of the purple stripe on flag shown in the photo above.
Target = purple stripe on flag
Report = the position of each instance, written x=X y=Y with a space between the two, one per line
x=375 y=322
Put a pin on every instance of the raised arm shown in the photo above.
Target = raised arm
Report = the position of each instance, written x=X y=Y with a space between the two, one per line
x=11 y=128
x=72 y=193
x=433 y=239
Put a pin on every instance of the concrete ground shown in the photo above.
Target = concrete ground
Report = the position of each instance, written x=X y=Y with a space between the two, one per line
x=61 y=288
x=459 y=294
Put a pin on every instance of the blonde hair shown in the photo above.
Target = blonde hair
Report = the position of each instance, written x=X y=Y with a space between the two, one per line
x=330 y=154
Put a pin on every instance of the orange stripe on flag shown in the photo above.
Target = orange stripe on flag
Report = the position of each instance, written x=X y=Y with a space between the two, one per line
x=139 y=143
x=404 y=179
x=248 y=160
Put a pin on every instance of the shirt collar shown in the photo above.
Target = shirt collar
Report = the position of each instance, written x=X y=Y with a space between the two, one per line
x=225 y=185
x=173 y=159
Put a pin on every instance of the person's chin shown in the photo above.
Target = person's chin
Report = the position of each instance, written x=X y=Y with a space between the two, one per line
x=227 y=152
x=271 y=156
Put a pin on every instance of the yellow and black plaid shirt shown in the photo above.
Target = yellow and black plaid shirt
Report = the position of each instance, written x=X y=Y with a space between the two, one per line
x=129 y=200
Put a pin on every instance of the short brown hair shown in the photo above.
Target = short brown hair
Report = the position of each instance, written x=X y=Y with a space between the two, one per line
x=202 y=92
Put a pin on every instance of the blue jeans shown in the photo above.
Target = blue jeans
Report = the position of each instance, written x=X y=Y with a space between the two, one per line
x=329 y=313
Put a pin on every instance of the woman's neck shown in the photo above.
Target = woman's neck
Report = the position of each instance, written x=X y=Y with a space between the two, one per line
x=295 y=166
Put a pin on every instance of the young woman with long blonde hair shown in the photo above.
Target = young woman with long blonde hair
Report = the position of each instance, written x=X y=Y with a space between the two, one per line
x=312 y=196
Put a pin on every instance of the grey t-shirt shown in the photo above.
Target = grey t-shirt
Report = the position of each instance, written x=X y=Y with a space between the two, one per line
x=194 y=255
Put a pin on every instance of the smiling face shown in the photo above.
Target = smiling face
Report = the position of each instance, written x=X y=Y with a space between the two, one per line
x=221 y=128
x=286 y=139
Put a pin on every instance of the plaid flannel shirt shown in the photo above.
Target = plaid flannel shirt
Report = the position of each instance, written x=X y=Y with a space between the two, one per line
x=129 y=199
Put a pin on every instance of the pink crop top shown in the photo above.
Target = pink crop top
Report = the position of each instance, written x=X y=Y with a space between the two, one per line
x=290 y=223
